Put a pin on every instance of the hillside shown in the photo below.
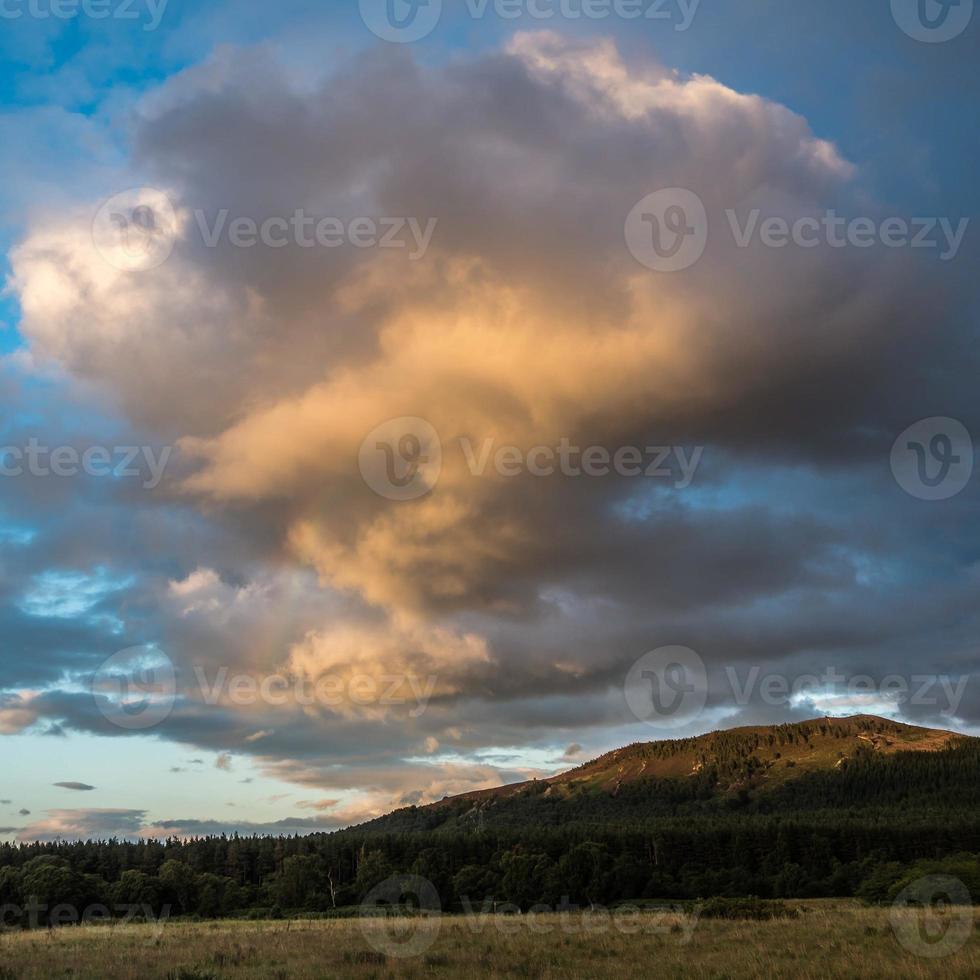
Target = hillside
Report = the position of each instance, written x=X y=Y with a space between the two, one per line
x=764 y=766
x=831 y=807
x=762 y=755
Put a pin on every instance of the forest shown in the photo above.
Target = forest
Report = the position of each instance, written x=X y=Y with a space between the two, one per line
x=862 y=831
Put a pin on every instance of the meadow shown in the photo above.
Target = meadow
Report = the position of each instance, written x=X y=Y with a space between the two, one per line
x=826 y=939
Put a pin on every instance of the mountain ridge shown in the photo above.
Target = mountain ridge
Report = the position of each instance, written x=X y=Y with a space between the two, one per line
x=755 y=761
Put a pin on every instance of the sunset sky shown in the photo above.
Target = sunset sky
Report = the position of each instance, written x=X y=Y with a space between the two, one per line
x=484 y=631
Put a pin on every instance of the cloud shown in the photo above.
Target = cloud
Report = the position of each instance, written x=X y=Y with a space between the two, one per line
x=317 y=804
x=101 y=824
x=524 y=600
x=200 y=828
x=84 y=824
x=79 y=787
x=16 y=713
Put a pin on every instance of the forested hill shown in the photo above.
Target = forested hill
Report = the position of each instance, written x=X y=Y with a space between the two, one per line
x=832 y=807
x=858 y=762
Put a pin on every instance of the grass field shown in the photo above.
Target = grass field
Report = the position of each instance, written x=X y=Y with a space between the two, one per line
x=828 y=940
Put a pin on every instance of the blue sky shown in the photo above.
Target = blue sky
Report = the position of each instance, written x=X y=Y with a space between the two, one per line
x=260 y=371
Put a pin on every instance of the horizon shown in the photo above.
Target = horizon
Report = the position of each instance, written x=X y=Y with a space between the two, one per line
x=581 y=765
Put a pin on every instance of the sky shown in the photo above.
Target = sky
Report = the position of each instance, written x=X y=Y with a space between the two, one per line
x=405 y=399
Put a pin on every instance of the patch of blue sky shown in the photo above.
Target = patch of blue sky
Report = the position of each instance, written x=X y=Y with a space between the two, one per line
x=70 y=594
x=724 y=483
x=651 y=500
x=652 y=497
x=511 y=758
x=16 y=535
x=184 y=781
x=10 y=338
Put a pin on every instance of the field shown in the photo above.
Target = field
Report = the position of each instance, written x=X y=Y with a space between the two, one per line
x=827 y=940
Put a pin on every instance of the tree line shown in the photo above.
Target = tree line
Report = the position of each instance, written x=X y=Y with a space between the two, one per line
x=859 y=831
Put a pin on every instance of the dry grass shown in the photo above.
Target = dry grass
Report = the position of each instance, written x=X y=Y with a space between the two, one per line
x=830 y=940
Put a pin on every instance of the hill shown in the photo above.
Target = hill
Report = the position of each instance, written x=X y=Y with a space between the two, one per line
x=827 y=808
x=762 y=768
